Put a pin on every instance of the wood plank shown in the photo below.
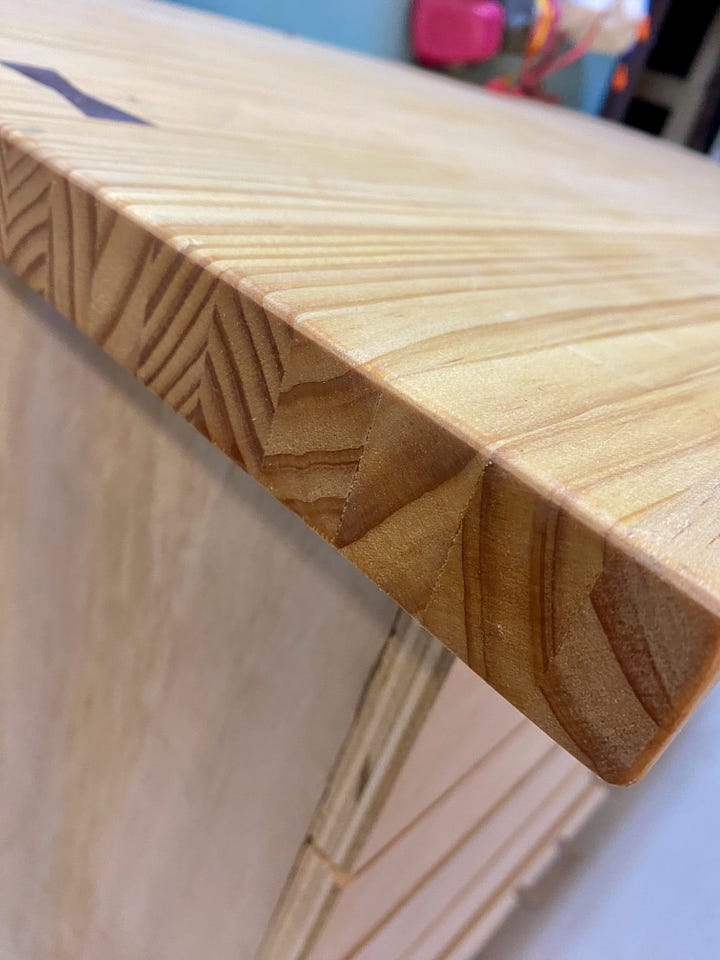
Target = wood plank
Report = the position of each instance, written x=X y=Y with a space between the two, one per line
x=465 y=723
x=500 y=838
x=381 y=884
x=345 y=883
x=473 y=342
x=412 y=674
x=180 y=662
x=493 y=906
x=404 y=687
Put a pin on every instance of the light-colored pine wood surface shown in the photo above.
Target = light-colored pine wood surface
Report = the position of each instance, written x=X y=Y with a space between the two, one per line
x=361 y=788
x=473 y=342
x=483 y=903
x=474 y=848
x=446 y=746
x=388 y=871
x=173 y=694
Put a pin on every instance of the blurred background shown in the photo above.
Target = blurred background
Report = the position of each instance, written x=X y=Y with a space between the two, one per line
x=652 y=65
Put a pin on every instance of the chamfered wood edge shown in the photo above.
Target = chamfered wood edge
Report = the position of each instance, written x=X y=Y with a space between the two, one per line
x=574 y=625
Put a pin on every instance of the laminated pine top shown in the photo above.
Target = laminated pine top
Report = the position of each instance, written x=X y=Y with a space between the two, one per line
x=473 y=342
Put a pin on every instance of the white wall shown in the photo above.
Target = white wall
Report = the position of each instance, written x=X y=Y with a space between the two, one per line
x=642 y=882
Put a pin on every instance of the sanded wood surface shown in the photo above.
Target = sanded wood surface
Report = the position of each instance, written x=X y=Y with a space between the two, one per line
x=465 y=723
x=411 y=851
x=362 y=786
x=173 y=695
x=184 y=720
x=473 y=342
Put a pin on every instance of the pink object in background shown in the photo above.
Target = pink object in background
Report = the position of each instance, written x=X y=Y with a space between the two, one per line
x=456 y=31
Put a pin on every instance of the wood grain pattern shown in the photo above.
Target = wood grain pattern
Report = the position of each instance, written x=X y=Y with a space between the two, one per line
x=172 y=706
x=173 y=695
x=471 y=849
x=482 y=904
x=465 y=722
x=472 y=342
x=410 y=850
x=362 y=784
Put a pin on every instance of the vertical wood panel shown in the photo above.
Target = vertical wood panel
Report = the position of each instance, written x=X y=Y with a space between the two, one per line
x=180 y=660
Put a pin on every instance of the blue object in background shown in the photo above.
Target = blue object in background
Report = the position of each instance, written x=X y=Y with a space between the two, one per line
x=370 y=26
x=380 y=27
x=597 y=73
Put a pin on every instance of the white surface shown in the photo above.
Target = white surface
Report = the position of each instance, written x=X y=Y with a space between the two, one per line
x=642 y=882
x=616 y=32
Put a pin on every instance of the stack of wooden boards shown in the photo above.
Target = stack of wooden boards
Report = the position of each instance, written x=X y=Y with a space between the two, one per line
x=469 y=819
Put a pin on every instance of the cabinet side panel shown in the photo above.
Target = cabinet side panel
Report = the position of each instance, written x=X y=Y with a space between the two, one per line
x=180 y=661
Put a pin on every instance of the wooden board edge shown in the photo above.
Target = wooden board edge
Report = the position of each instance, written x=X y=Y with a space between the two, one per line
x=398 y=696
x=109 y=275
